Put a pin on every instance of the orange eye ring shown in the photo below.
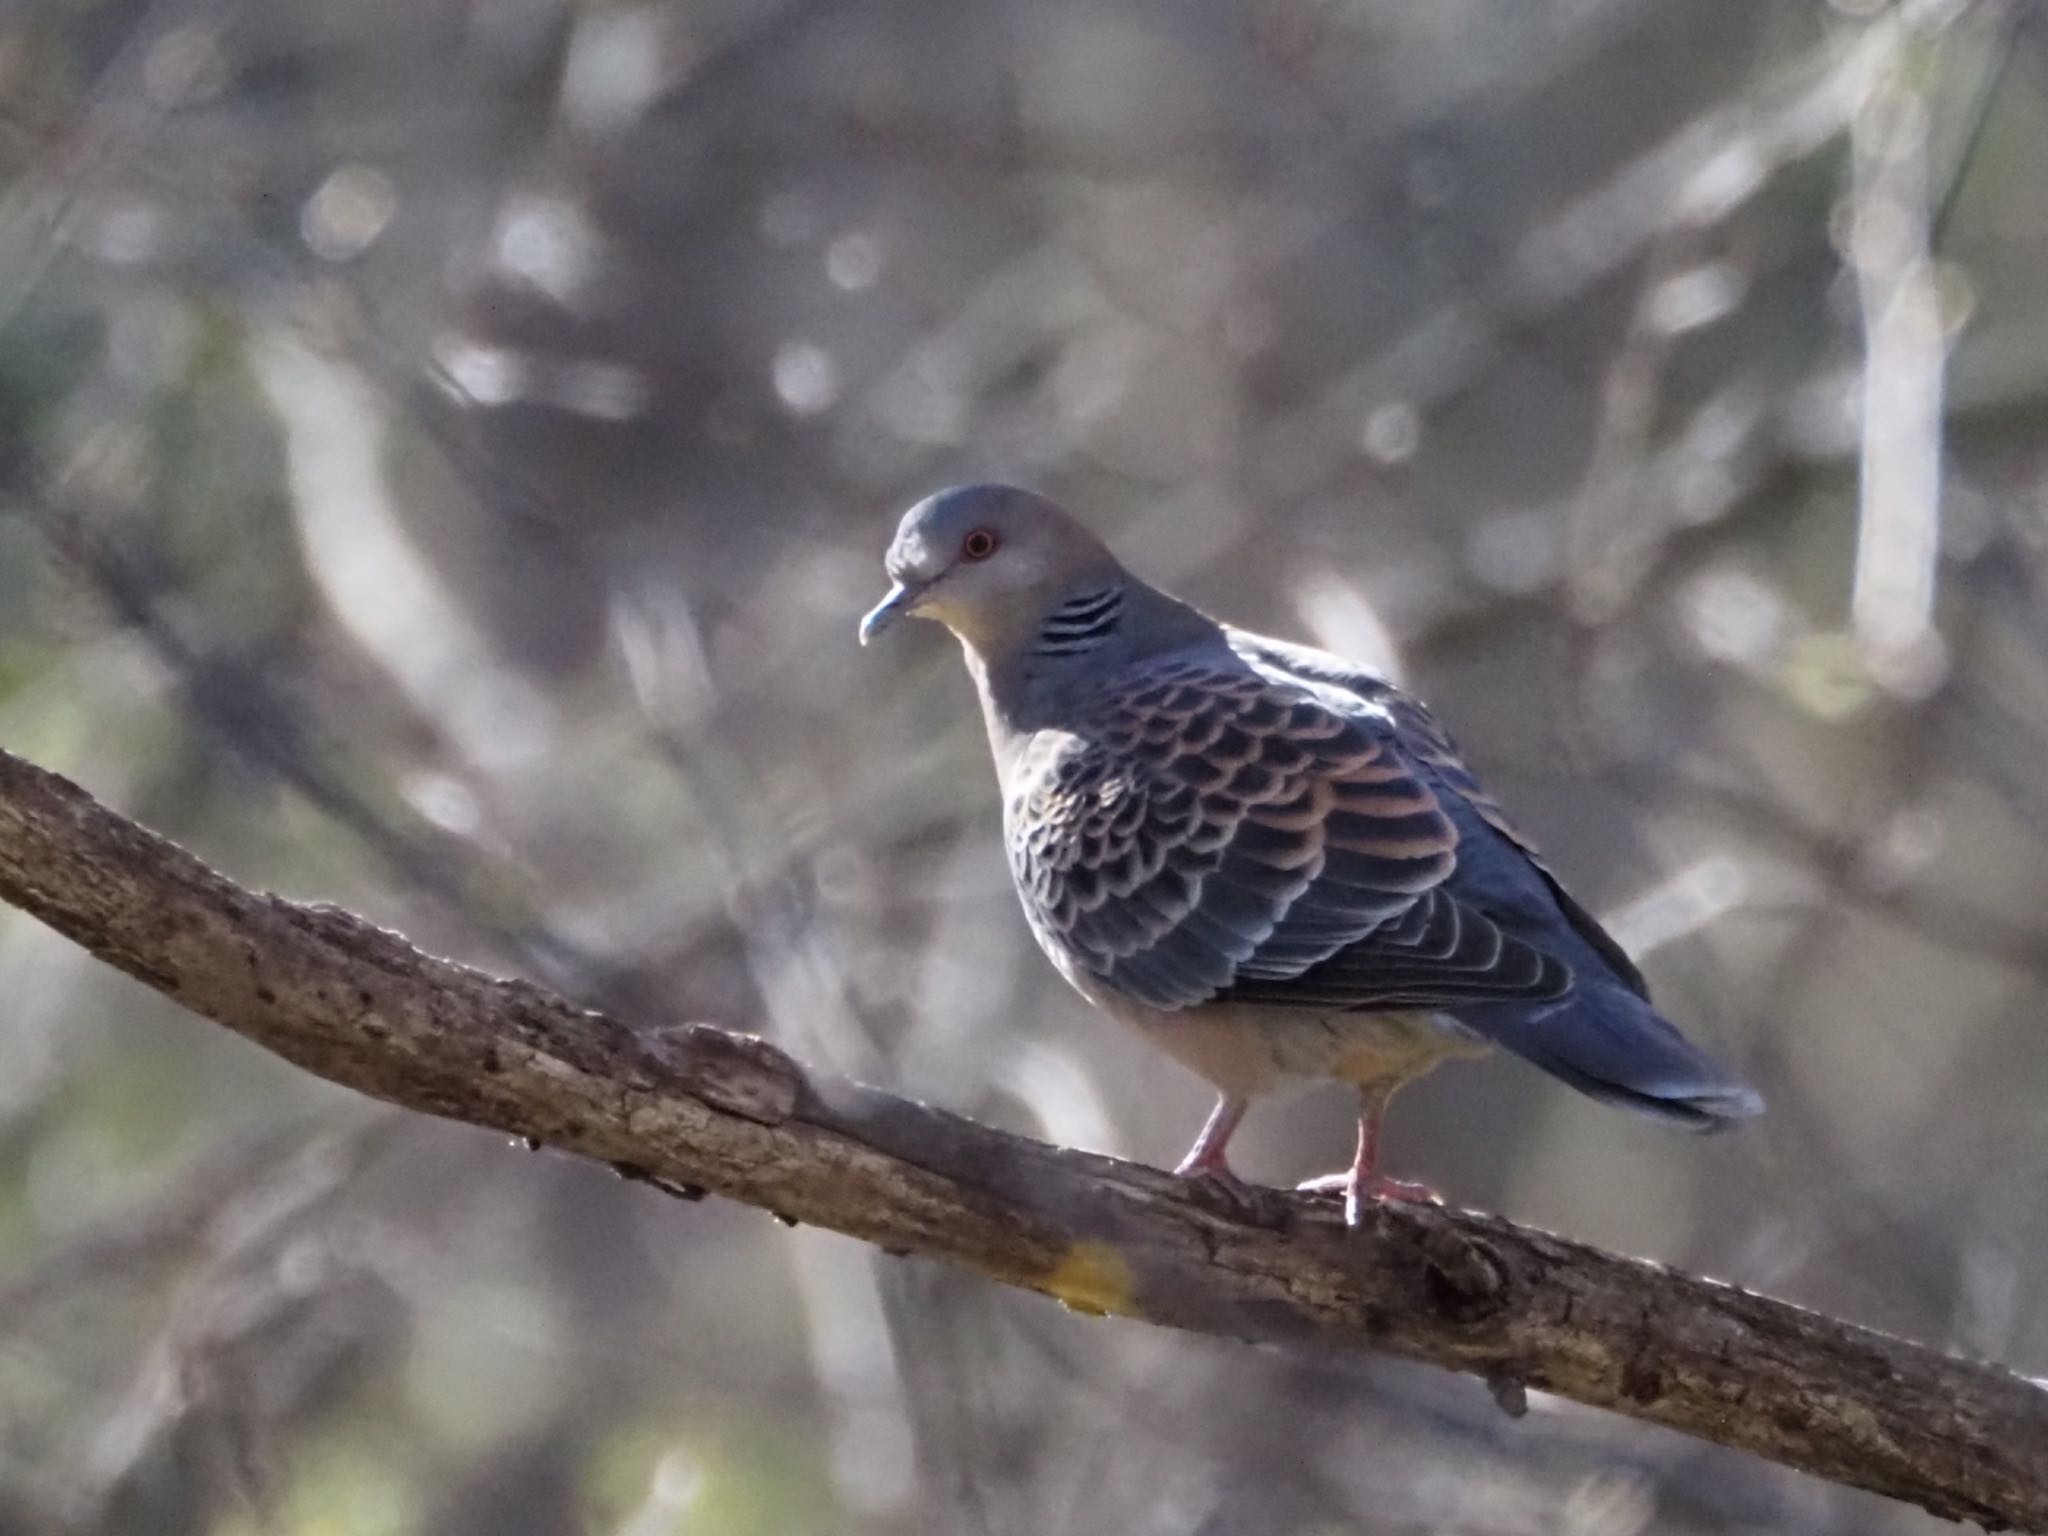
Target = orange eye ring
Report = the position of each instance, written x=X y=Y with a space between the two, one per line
x=978 y=545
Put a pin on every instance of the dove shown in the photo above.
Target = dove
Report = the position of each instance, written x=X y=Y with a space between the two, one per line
x=1269 y=862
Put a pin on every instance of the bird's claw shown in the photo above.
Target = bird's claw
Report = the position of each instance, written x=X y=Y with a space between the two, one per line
x=1376 y=1188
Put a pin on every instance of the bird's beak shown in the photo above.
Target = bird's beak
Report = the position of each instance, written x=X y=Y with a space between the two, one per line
x=903 y=598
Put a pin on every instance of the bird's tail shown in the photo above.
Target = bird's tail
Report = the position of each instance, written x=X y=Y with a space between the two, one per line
x=1613 y=1045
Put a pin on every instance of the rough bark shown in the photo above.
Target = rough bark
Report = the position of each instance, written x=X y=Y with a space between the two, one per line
x=699 y=1109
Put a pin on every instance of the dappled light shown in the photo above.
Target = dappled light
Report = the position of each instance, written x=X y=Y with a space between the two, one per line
x=446 y=447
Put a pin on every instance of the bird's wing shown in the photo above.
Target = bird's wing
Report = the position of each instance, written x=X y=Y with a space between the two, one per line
x=1424 y=738
x=1209 y=830
x=1432 y=747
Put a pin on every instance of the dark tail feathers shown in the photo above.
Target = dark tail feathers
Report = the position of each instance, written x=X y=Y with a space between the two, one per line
x=1614 y=1046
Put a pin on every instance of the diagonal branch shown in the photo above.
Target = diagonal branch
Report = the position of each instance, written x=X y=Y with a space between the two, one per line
x=696 y=1108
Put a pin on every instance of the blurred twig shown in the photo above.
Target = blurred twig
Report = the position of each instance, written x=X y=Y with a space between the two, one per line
x=260 y=1270
x=242 y=704
x=1899 y=528
x=130 y=1240
x=705 y=1108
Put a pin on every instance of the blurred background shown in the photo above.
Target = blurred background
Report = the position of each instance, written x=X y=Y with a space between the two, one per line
x=445 y=446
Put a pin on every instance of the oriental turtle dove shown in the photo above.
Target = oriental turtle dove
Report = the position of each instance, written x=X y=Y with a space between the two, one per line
x=1271 y=863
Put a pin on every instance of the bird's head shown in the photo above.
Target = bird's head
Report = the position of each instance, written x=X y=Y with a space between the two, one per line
x=986 y=561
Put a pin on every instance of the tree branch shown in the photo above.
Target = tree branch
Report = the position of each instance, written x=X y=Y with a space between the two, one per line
x=696 y=1108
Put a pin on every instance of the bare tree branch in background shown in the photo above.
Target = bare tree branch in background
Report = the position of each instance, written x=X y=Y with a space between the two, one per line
x=699 y=1109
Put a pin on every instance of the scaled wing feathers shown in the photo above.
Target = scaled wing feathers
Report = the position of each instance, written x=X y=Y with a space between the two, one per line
x=1213 y=833
x=1428 y=743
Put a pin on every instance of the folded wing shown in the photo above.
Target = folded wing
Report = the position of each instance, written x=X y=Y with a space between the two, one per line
x=1429 y=745
x=1217 y=833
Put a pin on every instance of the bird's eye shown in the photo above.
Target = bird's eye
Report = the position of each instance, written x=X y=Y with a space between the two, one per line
x=978 y=545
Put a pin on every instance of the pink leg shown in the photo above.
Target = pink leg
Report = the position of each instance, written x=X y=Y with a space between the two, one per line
x=1362 y=1182
x=1206 y=1158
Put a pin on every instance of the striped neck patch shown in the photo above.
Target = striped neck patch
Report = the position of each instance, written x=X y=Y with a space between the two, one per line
x=1081 y=623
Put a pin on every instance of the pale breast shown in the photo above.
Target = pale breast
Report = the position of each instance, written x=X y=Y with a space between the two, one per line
x=1252 y=1051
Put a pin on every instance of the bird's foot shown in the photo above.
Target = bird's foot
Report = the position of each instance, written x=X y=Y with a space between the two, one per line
x=1378 y=1187
x=1357 y=1195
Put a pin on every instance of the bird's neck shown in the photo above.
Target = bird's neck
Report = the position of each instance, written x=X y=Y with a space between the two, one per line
x=1062 y=656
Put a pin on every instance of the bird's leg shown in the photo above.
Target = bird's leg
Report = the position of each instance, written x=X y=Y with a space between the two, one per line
x=1362 y=1182
x=1206 y=1159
